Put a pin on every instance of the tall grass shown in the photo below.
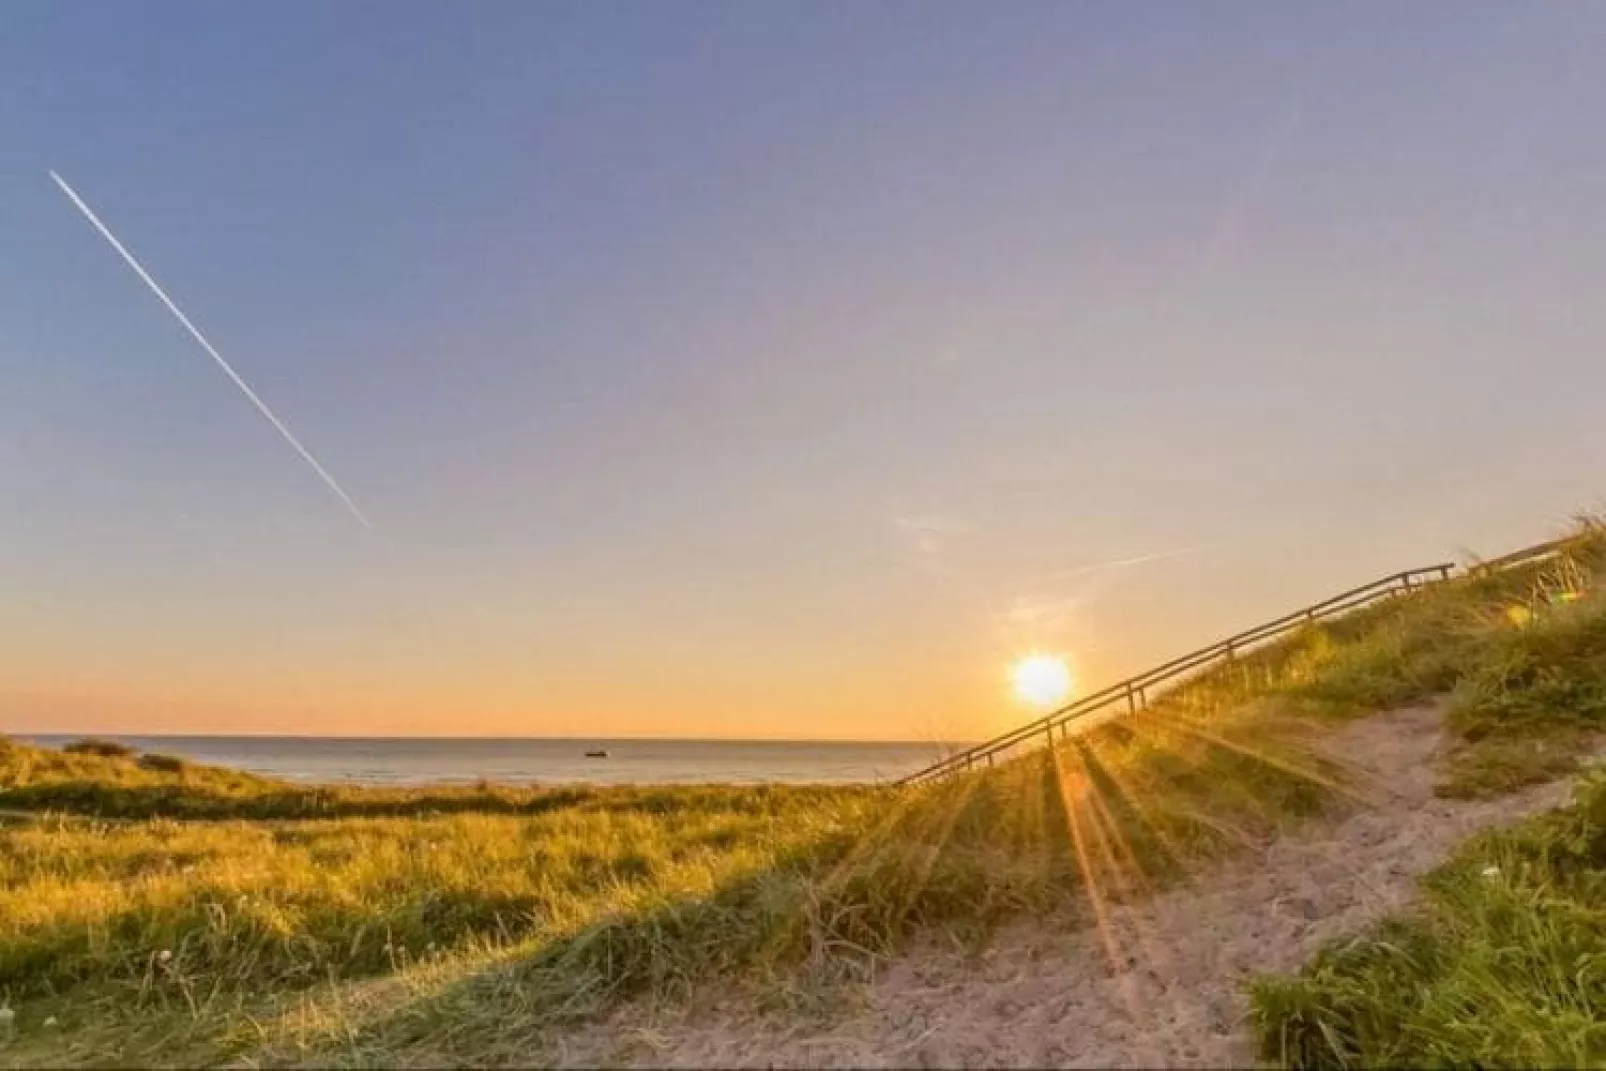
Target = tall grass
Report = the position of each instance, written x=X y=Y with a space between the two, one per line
x=152 y=899
x=120 y=784
x=1519 y=655
x=1503 y=966
x=274 y=904
x=613 y=893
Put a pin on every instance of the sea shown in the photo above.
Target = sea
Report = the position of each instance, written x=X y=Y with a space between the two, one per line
x=415 y=760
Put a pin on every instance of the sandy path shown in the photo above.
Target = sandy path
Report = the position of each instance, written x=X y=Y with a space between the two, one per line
x=1044 y=997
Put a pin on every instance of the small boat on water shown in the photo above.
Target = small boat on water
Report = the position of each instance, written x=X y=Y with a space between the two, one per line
x=601 y=753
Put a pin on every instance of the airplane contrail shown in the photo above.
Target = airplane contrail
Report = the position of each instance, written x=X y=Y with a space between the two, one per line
x=195 y=332
x=1141 y=559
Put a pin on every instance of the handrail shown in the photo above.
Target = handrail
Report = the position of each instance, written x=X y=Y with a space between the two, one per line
x=1134 y=690
x=1517 y=557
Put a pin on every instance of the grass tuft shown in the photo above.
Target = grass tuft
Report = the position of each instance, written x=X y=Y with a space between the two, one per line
x=105 y=749
x=170 y=764
x=1504 y=965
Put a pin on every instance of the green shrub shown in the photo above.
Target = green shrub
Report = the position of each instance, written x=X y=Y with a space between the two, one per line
x=106 y=749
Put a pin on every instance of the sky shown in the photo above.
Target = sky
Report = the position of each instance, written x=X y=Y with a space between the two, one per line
x=764 y=370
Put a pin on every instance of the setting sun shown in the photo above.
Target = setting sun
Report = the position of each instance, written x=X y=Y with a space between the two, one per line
x=1041 y=680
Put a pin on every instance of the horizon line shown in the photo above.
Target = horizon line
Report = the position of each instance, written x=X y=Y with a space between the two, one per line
x=17 y=734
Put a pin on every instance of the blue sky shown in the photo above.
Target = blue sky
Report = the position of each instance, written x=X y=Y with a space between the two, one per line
x=765 y=369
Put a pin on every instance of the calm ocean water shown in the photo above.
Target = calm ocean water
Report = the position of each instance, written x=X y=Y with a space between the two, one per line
x=400 y=761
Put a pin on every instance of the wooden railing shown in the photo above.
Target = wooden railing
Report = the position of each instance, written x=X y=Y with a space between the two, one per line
x=1520 y=557
x=1134 y=692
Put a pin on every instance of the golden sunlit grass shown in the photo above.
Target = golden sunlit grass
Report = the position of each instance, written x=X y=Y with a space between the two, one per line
x=222 y=917
x=1500 y=966
x=1504 y=964
x=108 y=780
x=499 y=928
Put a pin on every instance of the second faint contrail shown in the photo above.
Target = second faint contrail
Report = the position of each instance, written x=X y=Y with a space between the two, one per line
x=195 y=332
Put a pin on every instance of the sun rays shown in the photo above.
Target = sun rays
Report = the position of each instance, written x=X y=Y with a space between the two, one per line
x=1041 y=680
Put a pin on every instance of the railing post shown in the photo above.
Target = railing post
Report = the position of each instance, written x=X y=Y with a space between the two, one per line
x=1137 y=696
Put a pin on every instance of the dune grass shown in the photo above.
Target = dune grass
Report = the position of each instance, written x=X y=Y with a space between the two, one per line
x=1518 y=656
x=135 y=933
x=1503 y=965
x=123 y=785
x=109 y=926
x=166 y=912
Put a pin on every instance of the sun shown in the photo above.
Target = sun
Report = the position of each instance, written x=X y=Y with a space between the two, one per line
x=1041 y=680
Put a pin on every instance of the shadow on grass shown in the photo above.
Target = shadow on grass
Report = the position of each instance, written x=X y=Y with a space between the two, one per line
x=1054 y=835
x=191 y=802
x=243 y=941
x=956 y=858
